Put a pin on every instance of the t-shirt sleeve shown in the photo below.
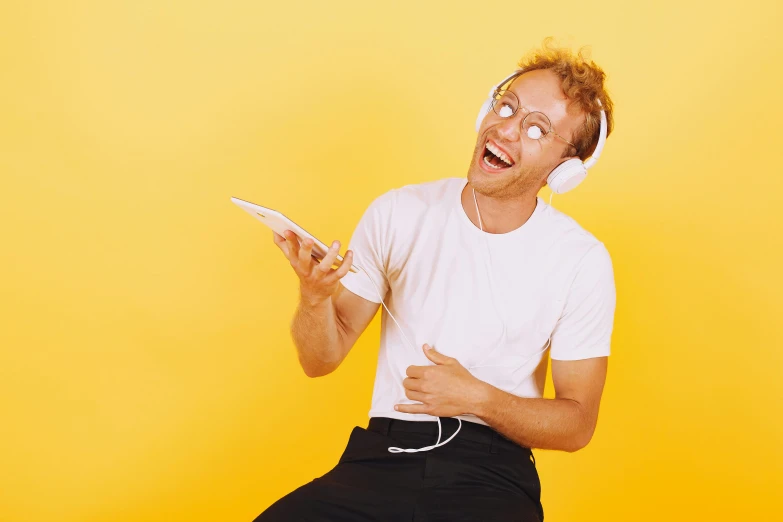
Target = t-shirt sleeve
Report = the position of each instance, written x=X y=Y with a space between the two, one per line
x=584 y=329
x=369 y=247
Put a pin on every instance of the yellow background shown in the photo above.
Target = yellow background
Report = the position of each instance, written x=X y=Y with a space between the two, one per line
x=146 y=371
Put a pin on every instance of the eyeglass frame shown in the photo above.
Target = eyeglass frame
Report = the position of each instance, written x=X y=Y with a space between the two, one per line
x=498 y=90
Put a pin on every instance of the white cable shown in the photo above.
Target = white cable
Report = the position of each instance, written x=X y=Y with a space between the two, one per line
x=503 y=322
x=491 y=273
x=438 y=443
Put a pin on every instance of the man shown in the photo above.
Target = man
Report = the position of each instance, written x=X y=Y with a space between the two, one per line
x=484 y=276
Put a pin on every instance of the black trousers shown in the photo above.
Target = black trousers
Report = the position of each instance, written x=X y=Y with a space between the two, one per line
x=478 y=476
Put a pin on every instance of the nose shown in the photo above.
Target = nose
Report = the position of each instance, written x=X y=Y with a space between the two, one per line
x=509 y=128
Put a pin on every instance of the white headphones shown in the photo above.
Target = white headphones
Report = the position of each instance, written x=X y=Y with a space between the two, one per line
x=571 y=172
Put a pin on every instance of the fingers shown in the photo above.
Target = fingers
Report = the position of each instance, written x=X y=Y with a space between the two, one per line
x=437 y=357
x=412 y=408
x=280 y=242
x=345 y=266
x=416 y=395
x=326 y=263
x=412 y=384
x=293 y=244
x=416 y=372
x=300 y=253
x=305 y=253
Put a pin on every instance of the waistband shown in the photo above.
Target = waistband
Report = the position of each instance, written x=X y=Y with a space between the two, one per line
x=472 y=431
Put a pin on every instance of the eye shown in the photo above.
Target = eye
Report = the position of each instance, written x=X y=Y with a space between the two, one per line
x=505 y=111
x=505 y=103
x=534 y=132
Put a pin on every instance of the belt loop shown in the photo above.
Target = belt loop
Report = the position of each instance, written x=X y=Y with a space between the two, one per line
x=386 y=425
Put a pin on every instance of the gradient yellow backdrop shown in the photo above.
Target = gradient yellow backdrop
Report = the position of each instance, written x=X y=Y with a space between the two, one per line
x=146 y=371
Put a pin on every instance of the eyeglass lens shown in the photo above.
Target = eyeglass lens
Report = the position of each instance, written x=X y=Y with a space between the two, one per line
x=535 y=124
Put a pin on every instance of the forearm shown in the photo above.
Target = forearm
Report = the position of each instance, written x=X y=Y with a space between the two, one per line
x=316 y=334
x=558 y=424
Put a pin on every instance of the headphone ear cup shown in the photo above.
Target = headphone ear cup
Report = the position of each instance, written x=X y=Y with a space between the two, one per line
x=485 y=108
x=566 y=176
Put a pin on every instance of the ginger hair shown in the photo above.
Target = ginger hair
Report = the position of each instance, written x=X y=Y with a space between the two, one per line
x=582 y=83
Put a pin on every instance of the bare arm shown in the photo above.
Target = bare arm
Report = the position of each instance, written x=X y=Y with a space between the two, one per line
x=566 y=422
x=329 y=318
x=325 y=333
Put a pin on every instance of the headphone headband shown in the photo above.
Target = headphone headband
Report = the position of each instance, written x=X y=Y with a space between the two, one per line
x=601 y=139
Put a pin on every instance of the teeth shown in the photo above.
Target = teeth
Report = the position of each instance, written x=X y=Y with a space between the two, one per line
x=497 y=152
x=486 y=161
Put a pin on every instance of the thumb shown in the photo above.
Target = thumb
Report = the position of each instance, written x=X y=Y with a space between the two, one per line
x=435 y=356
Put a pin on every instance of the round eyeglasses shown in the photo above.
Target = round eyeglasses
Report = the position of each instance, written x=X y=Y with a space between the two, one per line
x=535 y=124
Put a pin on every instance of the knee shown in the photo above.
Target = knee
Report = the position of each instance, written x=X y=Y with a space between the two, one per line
x=291 y=507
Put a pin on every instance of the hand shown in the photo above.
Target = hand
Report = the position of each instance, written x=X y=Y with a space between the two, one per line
x=447 y=389
x=317 y=281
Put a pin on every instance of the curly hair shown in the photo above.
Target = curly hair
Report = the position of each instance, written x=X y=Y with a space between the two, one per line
x=582 y=83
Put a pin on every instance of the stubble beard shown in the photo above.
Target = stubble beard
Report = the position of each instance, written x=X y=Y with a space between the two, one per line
x=514 y=183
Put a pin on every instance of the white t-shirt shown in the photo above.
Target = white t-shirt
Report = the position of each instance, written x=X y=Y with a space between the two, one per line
x=548 y=278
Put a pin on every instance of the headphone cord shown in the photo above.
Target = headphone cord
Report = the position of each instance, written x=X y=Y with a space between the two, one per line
x=489 y=252
x=438 y=443
x=393 y=449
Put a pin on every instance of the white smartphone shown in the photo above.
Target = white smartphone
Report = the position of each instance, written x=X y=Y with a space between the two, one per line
x=279 y=223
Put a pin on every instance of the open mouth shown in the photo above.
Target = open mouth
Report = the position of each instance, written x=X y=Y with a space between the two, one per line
x=495 y=159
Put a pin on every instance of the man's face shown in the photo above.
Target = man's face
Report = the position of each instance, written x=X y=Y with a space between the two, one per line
x=532 y=160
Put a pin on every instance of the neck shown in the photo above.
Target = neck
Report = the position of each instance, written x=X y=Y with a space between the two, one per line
x=498 y=216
